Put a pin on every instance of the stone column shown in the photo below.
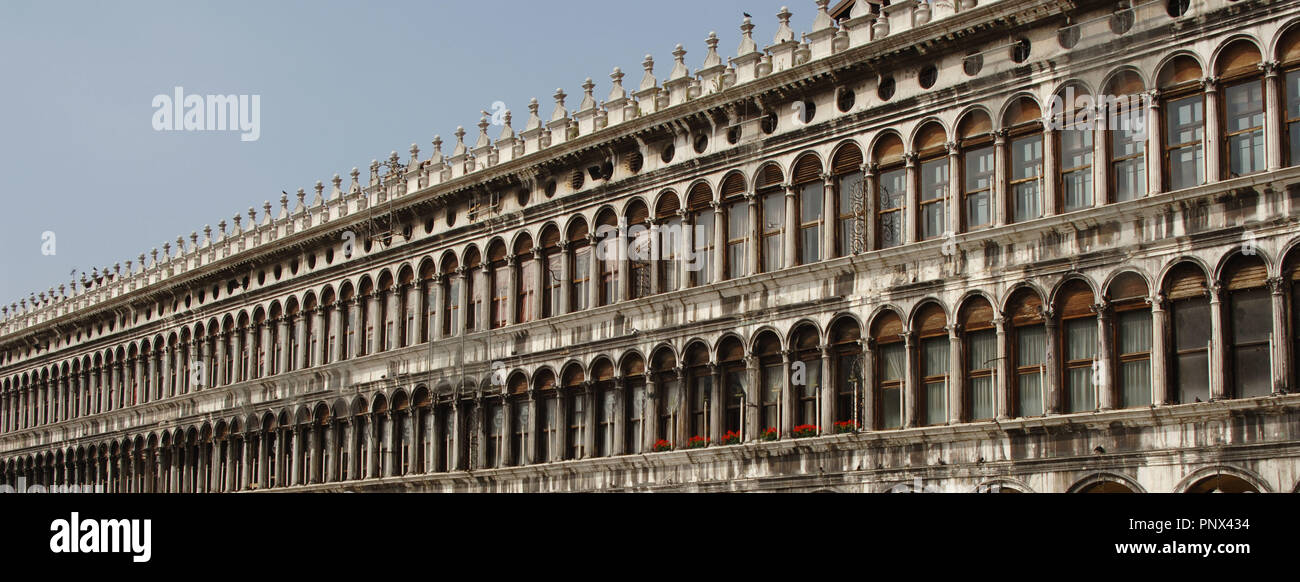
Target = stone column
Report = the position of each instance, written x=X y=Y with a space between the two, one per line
x=391 y=326
x=620 y=416
x=911 y=200
x=1155 y=145
x=1273 y=106
x=956 y=375
x=594 y=278
x=389 y=458
x=1218 y=344
x=354 y=467
x=869 y=202
x=167 y=388
x=684 y=279
x=786 y=403
x=717 y=404
x=753 y=400
x=355 y=329
x=1051 y=380
x=540 y=284
x=826 y=396
x=415 y=322
x=265 y=348
x=1101 y=135
x=1003 y=401
x=295 y=475
x=237 y=357
x=374 y=325
x=246 y=477
x=1279 y=344
x=1001 y=204
x=830 y=216
x=1106 y=397
x=301 y=343
x=719 y=243
x=953 y=199
x=460 y=327
x=370 y=464
x=330 y=460
x=566 y=279
x=436 y=310
x=1159 y=359
x=791 y=234
x=624 y=264
x=512 y=283
x=754 y=244
x=217 y=375
x=1051 y=205
x=911 y=390
x=288 y=355
x=1213 y=147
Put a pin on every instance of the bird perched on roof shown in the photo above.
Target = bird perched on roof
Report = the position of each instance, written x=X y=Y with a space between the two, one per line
x=746 y=15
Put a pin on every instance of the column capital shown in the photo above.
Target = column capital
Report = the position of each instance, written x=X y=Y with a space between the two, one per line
x=1000 y=135
x=869 y=168
x=1276 y=285
x=953 y=148
x=910 y=158
x=1269 y=68
x=953 y=330
x=1209 y=83
x=828 y=179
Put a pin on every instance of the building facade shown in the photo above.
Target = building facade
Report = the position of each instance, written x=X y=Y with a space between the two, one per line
x=976 y=245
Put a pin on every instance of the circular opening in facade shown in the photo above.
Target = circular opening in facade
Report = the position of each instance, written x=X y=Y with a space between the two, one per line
x=886 y=89
x=845 y=100
x=928 y=76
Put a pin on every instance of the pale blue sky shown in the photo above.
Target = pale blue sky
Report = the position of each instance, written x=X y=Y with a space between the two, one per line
x=341 y=83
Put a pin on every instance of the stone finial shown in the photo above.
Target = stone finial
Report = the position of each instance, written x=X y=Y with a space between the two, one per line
x=180 y=245
x=393 y=160
x=284 y=201
x=507 y=132
x=534 y=120
x=783 y=31
x=712 y=59
x=207 y=235
x=823 y=20
x=337 y=181
x=222 y=225
x=560 y=111
x=252 y=215
x=356 y=182
x=648 y=80
x=860 y=9
x=617 y=93
x=437 y=150
x=153 y=254
x=588 y=99
x=194 y=240
x=167 y=250
x=460 y=142
x=747 y=44
x=238 y=221
x=679 y=64
x=483 y=139
x=415 y=156
x=374 y=171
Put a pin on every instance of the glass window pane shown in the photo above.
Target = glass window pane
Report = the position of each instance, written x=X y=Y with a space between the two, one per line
x=1081 y=339
x=1134 y=332
x=1031 y=346
x=1082 y=396
x=981 y=350
x=1184 y=131
x=892 y=362
x=981 y=397
x=934 y=179
x=936 y=403
x=1030 y=386
x=934 y=357
x=1252 y=316
x=1191 y=324
x=1251 y=371
x=891 y=408
x=1192 y=384
x=1135 y=383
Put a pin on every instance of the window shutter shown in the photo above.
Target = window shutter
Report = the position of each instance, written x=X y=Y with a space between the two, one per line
x=1186 y=281
x=731 y=351
x=808 y=169
x=578 y=232
x=887 y=328
x=1240 y=58
x=733 y=186
x=977 y=315
x=847 y=160
x=551 y=238
x=845 y=331
x=1025 y=309
x=1075 y=300
x=668 y=205
x=930 y=321
x=634 y=366
x=1246 y=273
x=602 y=370
x=1128 y=287
x=638 y=214
x=889 y=150
x=975 y=124
x=770 y=176
x=699 y=198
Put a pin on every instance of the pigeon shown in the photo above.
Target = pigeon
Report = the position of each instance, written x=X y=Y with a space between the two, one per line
x=746 y=15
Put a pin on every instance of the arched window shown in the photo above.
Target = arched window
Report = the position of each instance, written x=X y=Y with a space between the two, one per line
x=810 y=186
x=527 y=271
x=931 y=149
x=1179 y=83
x=520 y=421
x=1188 y=295
x=737 y=208
x=805 y=344
x=767 y=348
x=1250 y=328
x=851 y=203
x=700 y=212
x=548 y=417
x=451 y=286
x=1029 y=348
x=890 y=366
x=931 y=329
x=1127 y=147
x=1023 y=122
x=639 y=255
x=579 y=266
x=575 y=412
x=1080 y=345
x=1242 y=84
x=1288 y=57
x=499 y=282
x=978 y=169
x=669 y=397
x=606 y=401
x=699 y=380
x=1128 y=295
x=1222 y=483
x=474 y=314
x=552 y=262
x=636 y=422
x=1074 y=144
x=731 y=358
x=980 y=358
x=671 y=242
x=891 y=190
x=845 y=342
x=607 y=255
x=771 y=199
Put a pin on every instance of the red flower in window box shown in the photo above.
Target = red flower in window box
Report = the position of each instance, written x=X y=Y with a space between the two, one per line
x=662 y=445
x=697 y=442
x=845 y=426
x=731 y=438
x=769 y=434
x=805 y=430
